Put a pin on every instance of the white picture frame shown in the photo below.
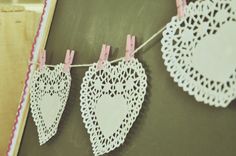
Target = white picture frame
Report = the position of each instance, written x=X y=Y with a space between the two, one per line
x=23 y=107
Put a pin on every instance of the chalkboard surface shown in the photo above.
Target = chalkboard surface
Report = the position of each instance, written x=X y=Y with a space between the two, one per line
x=171 y=122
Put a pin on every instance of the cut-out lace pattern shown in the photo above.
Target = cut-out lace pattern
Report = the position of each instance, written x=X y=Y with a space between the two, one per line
x=180 y=38
x=54 y=84
x=126 y=79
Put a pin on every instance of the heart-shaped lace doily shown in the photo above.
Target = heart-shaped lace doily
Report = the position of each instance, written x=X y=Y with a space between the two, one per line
x=199 y=51
x=111 y=99
x=48 y=95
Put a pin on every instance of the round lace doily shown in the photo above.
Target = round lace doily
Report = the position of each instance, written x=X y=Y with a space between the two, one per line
x=49 y=91
x=111 y=99
x=199 y=51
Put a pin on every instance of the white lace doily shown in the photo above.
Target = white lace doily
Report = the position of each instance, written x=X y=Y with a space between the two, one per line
x=49 y=91
x=199 y=51
x=111 y=99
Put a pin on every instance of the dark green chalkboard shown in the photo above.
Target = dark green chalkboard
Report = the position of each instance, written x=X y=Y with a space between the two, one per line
x=171 y=122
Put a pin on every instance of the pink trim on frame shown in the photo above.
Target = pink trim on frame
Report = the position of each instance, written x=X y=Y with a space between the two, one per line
x=25 y=82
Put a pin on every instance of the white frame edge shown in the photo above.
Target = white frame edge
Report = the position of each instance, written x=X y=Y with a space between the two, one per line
x=23 y=108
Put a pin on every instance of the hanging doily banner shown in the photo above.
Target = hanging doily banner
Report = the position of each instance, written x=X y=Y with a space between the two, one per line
x=199 y=51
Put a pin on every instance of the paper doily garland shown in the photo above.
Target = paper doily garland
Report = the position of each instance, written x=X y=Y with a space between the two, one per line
x=199 y=51
x=111 y=99
x=49 y=92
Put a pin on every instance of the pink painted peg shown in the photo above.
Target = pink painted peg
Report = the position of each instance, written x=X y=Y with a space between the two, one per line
x=103 y=56
x=68 y=60
x=130 y=46
x=181 y=4
x=42 y=59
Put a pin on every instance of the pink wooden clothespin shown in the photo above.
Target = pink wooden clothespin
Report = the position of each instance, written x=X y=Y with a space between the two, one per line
x=42 y=59
x=68 y=60
x=103 y=56
x=181 y=4
x=130 y=45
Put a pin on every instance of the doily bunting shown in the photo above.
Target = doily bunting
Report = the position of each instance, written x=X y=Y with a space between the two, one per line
x=198 y=50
